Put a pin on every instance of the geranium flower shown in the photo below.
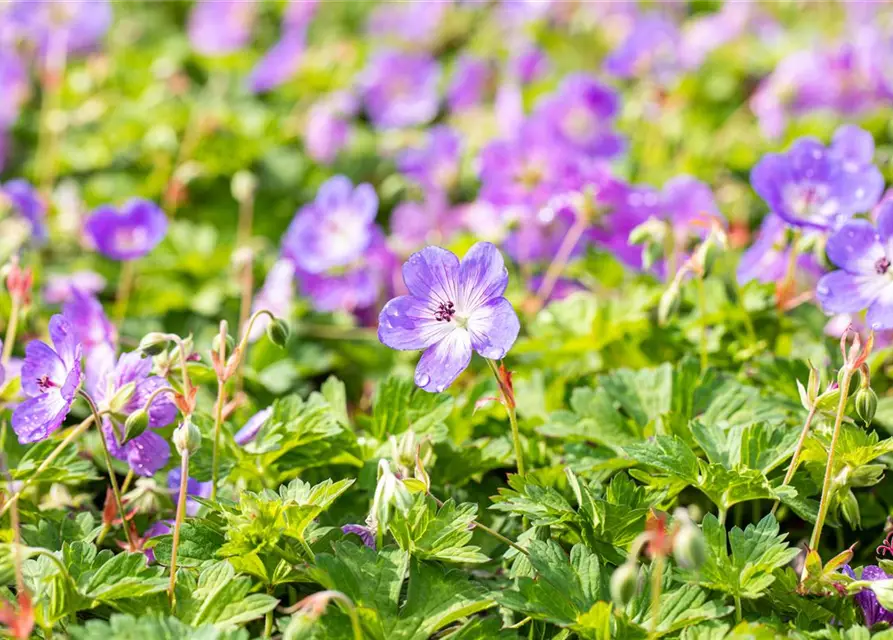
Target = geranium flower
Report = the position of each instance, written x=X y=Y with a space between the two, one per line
x=219 y=27
x=63 y=287
x=276 y=296
x=401 y=89
x=26 y=201
x=147 y=452
x=435 y=166
x=128 y=232
x=249 y=431
x=867 y=601
x=452 y=308
x=193 y=488
x=864 y=279
x=51 y=377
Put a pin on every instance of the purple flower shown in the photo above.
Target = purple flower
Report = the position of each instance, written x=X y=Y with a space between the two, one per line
x=766 y=260
x=864 y=279
x=435 y=166
x=581 y=114
x=76 y=25
x=415 y=224
x=63 y=287
x=147 y=452
x=27 y=202
x=400 y=89
x=281 y=62
x=537 y=238
x=219 y=27
x=299 y=13
x=328 y=126
x=2 y=369
x=452 y=308
x=563 y=287
x=872 y=610
x=335 y=229
x=128 y=232
x=249 y=432
x=408 y=22
x=156 y=529
x=193 y=488
x=818 y=188
x=14 y=86
x=90 y=325
x=469 y=83
x=651 y=49
x=276 y=296
x=529 y=64
x=367 y=534
x=51 y=377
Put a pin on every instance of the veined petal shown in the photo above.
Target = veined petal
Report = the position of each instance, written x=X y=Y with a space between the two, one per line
x=41 y=361
x=408 y=324
x=482 y=276
x=855 y=247
x=494 y=327
x=842 y=292
x=885 y=226
x=853 y=144
x=880 y=313
x=64 y=340
x=147 y=453
x=443 y=362
x=36 y=418
x=334 y=192
x=433 y=274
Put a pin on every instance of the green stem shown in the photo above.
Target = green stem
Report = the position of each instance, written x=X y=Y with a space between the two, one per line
x=657 y=577
x=513 y=418
x=107 y=527
x=126 y=277
x=9 y=340
x=116 y=491
x=181 y=511
x=215 y=456
x=825 y=504
x=74 y=433
x=738 y=614
x=795 y=459
x=571 y=238
x=702 y=303
x=722 y=516
x=268 y=624
x=489 y=531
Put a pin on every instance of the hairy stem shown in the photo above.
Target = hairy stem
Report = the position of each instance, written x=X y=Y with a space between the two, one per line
x=218 y=421
x=702 y=303
x=657 y=578
x=181 y=512
x=509 y=404
x=795 y=459
x=489 y=531
x=559 y=262
x=125 y=285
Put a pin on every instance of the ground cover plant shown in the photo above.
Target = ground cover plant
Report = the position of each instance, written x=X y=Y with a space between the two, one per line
x=467 y=320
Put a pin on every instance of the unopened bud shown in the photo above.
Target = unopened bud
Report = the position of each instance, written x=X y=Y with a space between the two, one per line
x=230 y=344
x=136 y=423
x=122 y=398
x=866 y=404
x=187 y=438
x=624 y=583
x=278 y=332
x=689 y=547
x=849 y=506
x=668 y=305
x=153 y=343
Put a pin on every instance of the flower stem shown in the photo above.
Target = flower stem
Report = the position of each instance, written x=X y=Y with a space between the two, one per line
x=509 y=404
x=125 y=286
x=657 y=578
x=9 y=340
x=74 y=433
x=489 y=531
x=559 y=262
x=738 y=613
x=181 y=511
x=797 y=450
x=218 y=421
x=702 y=303
x=825 y=504
x=268 y=624
x=108 y=527
x=116 y=490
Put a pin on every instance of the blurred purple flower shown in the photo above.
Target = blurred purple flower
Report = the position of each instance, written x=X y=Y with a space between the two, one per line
x=63 y=287
x=255 y=423
x=93 y=330
x=863 y=280
x=581 y=113
x=14 y=86
x=563 y=287
x=415 y=224
x=651 y=49
x=538 y=237
x=704 y=34
x=147 y=452
x=2 y=368
x=529 y=64
x=625 y=207
x=815 y=187
x=367 y=534
x=281 y=62
x=75 y=25
x=508 y=108
x=276 y=296
x=470 y=82
x=401 y=89
x=335 y=229
x=193 y=488
x=27 y=202
x=219 y=27
x=299 y=13
x=51 y=377
x=128 y=232
x=406 y=22
x=156 y=529
x=872 y=610
x=328 y=126
x=435 y=166
x=452 y=308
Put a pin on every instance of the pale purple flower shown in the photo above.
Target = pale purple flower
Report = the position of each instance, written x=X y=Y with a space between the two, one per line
x=51 y=377
x=328 y=127
x=581 y=115
x=27 y=202
x=452 y=309
x=281 y=62
x=766 y=260
x=563 y=287
x=508 y=107
x=74 y=26
x=14 y=86
x=401 y=89
x=335 y=229
x=689 y=206
x=367 y=534
x=529 y=64
x=704 y=34
x=251 y=428
x=651 y=49
x=156 y=529
x=415 y=224
x=128 y=232
x=147 y=452
x=864 y=279
x=435 y=165
x=866 y=599
x=537 y=238
x=276 y=296
x=62 y=287
x=299 y=13
x=470 y=82
x=819 y=188
x=93 y=330
x=193 y=488
x=406 y=22
x=219 y=27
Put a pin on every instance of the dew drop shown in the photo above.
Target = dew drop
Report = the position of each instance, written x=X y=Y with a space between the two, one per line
x=822 y=290
x=875 y=325
x=422 y=380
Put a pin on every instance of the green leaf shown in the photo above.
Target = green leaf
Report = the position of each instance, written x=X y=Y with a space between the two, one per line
x=668 y=454
x=156 y=627
x=116 y=577
x=429 y=533
x=593 y=418
x=199 y=543
x=399 y=405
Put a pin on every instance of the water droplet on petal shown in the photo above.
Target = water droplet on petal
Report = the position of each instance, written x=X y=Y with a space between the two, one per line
x=822 y=290
x=422 y=380
x=875 y=325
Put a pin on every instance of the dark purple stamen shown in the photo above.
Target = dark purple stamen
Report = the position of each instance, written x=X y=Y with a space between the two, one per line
x=44 y=383
x=882 y=265
x=445 y=312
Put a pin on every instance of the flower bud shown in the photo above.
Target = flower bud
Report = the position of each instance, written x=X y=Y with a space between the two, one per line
x=849 y=506
x=153 y=343
x=624 y=583
x=866 y=404
x=278 y=332
x=122 y=398
x=136 y=423
x=668 y=305
x=187 y=438
x=689 y=547
x=230 y=344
